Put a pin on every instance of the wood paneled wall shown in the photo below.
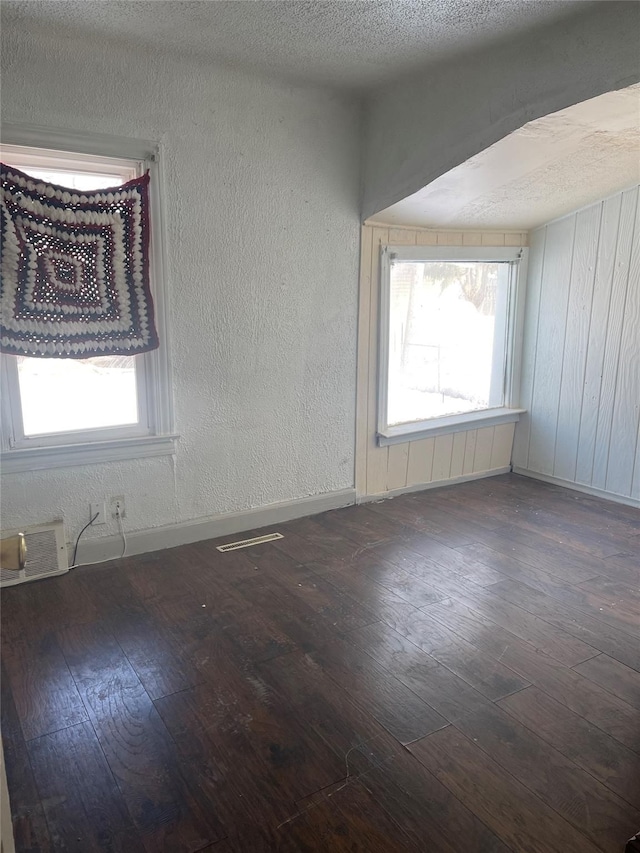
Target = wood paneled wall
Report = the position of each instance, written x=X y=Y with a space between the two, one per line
x=581 y=359
x=381 y=470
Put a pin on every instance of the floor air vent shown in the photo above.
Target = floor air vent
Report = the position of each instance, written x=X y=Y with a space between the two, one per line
x=247 y=543
x=46 y=555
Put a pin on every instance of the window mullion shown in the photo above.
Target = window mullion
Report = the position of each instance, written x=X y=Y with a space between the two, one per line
x=384 y=342
x=500 y=336
x=144 y=395
x=12 y=422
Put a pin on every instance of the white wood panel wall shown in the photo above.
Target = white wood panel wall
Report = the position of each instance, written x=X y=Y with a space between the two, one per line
x=581 y=360
x=474 y=452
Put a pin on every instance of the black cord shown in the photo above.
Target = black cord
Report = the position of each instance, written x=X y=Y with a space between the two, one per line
x=75 y=550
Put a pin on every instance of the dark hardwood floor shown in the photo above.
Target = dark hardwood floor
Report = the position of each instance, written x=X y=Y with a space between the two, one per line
x=451 y=670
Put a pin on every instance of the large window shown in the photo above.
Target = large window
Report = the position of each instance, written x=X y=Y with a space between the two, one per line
x=448 y=334
x=59 y=411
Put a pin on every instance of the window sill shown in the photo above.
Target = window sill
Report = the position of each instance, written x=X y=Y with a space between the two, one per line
x=450 y=424
x=89 y=453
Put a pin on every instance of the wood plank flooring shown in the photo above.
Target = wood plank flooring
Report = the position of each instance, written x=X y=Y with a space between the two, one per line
x=454 y=670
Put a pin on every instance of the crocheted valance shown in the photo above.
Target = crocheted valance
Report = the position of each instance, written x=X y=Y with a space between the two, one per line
x=74 y=279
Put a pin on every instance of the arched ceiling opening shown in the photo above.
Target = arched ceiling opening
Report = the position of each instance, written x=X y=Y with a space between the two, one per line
x=422 y=127
x=547 y=168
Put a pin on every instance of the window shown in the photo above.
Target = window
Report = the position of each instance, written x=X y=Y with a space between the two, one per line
x=449 y=326
x=60 y=411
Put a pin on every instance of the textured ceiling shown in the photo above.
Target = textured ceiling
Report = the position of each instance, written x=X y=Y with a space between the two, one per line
x=548 y=168
x=351 y=44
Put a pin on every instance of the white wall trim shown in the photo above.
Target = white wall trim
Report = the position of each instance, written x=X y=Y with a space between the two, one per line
x=578 y=487
x=186 y=532
x=505 y=365
x=77 y=141
x=18 y=460
x=373 y=222
x=488 y=254
x=450 y=424
x=434 y=484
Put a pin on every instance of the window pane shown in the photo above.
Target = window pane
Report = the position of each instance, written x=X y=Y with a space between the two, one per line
x=74 y=180
x=68 y=395
x=61 y=395
x=443 y=332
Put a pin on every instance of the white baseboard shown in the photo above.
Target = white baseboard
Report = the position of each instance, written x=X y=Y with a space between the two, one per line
x=186 y=532
x=437 y=484
x=578 y=487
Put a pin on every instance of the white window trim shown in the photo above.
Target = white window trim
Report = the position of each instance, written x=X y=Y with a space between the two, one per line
x=432 y=427
x=18 y=453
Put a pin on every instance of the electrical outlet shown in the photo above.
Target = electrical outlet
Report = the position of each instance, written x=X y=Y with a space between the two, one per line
x=117 y=507
x=98 y=511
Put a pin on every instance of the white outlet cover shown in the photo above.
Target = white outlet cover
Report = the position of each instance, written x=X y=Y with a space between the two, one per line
x=98 y=509
x=118 y=499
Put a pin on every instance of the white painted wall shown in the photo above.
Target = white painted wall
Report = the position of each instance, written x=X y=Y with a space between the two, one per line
x=581 y=361
x=425 y=462
x=421 y=126
x=262 y=232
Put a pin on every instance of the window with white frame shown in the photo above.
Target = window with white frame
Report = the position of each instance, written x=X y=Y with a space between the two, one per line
x=59 y=411
x=449 y=338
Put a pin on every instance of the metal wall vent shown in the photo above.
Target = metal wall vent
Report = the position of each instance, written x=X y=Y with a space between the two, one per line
x=247 y=543
x=46 y=555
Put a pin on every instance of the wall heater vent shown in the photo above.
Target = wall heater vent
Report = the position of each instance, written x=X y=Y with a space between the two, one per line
x=46 y=555
x=247 y=543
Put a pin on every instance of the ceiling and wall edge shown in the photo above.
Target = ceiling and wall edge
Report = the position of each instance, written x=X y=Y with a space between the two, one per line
x=480 y=98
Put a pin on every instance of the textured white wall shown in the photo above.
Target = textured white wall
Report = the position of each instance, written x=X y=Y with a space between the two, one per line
x=422 y=126
x=263 y=232
x=581 y=359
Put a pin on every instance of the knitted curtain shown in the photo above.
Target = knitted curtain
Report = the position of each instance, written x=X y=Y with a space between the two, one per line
x=74 y=277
